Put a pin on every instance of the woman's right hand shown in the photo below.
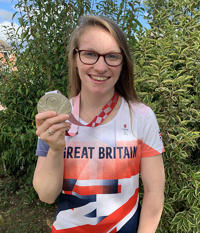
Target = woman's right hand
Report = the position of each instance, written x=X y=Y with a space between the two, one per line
x=51 y=128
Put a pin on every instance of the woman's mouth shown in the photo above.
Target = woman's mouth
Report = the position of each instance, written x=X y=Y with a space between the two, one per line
x=98 y=78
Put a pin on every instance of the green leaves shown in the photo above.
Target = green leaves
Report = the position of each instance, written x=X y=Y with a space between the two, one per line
x=167 y=78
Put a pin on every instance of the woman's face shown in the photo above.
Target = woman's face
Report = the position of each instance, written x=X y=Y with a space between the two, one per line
x=99 y=78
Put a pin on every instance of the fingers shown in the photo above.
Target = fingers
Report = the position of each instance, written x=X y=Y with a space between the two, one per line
x=45 y=115
x=52 y=121
x=41 y=117
x=62 y=127
x=56 y=140
x=51 y=128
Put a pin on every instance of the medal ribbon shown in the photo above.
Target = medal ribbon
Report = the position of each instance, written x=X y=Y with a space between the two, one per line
x=101 y=116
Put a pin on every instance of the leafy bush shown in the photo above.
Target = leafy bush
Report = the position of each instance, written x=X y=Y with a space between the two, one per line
x=167 y=71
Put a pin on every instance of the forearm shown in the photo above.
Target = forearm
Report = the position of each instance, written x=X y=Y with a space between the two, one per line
x=151 y=211
x=48 y=178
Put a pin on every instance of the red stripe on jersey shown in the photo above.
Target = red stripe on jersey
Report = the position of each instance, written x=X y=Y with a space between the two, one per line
x=119 y=188
x=68 y=192
x=148 y=151
x=107 y=223
x=93 y=190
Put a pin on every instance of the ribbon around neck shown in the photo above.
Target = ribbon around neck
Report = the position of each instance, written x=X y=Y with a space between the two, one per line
x=97 y=120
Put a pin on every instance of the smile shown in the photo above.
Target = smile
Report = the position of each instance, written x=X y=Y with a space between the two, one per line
x=99 y=78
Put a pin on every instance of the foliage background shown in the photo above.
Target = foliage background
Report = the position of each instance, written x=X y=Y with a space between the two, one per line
x=167 y=64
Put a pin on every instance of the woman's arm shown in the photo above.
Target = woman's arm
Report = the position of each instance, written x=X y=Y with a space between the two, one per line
x=153 y=178
x=48 y=175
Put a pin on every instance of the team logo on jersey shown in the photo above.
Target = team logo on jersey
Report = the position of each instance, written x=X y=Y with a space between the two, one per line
x=125 y=129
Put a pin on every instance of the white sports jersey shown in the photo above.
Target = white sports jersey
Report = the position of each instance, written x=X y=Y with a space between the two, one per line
x=101 y=172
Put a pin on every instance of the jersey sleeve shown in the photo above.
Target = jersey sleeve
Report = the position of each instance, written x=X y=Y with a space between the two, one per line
x=151 y=140
x=42 y=148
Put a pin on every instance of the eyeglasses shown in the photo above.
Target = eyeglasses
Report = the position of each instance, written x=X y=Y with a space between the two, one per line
x=90 y=57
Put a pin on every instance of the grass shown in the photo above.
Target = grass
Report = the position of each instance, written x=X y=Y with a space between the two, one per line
x=21 y=214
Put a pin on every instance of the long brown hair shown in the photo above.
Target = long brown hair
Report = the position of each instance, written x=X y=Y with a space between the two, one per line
x=125 y=84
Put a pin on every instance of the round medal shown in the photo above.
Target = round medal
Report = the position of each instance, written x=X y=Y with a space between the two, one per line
x=54 y=102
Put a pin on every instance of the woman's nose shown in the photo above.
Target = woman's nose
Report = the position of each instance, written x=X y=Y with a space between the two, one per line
x=101 y=65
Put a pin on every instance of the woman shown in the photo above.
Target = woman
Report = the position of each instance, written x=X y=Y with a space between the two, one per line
x=98 y=175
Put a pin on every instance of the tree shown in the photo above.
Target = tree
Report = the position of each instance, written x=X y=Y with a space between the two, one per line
x=167 y=71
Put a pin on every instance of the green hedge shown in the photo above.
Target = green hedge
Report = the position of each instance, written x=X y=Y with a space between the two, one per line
x=167 y=61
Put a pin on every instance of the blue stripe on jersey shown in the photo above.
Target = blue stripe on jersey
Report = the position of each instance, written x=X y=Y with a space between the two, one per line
x=92 y=214
x=68 y=184
x=69 y=202
x=132 y=225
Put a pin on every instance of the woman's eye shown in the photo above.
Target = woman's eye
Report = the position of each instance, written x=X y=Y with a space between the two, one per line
x=113 y=56
x=90 y=54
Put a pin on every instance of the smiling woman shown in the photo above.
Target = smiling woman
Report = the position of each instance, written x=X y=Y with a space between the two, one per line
x=95 y=171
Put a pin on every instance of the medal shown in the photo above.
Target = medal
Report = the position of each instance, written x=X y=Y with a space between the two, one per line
x=54 y=102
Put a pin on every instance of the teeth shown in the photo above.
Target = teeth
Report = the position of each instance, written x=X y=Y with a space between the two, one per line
x=99 y=78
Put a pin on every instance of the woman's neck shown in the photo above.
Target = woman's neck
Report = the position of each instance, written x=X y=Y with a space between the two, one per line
x=95 y=101
x=91 y=105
